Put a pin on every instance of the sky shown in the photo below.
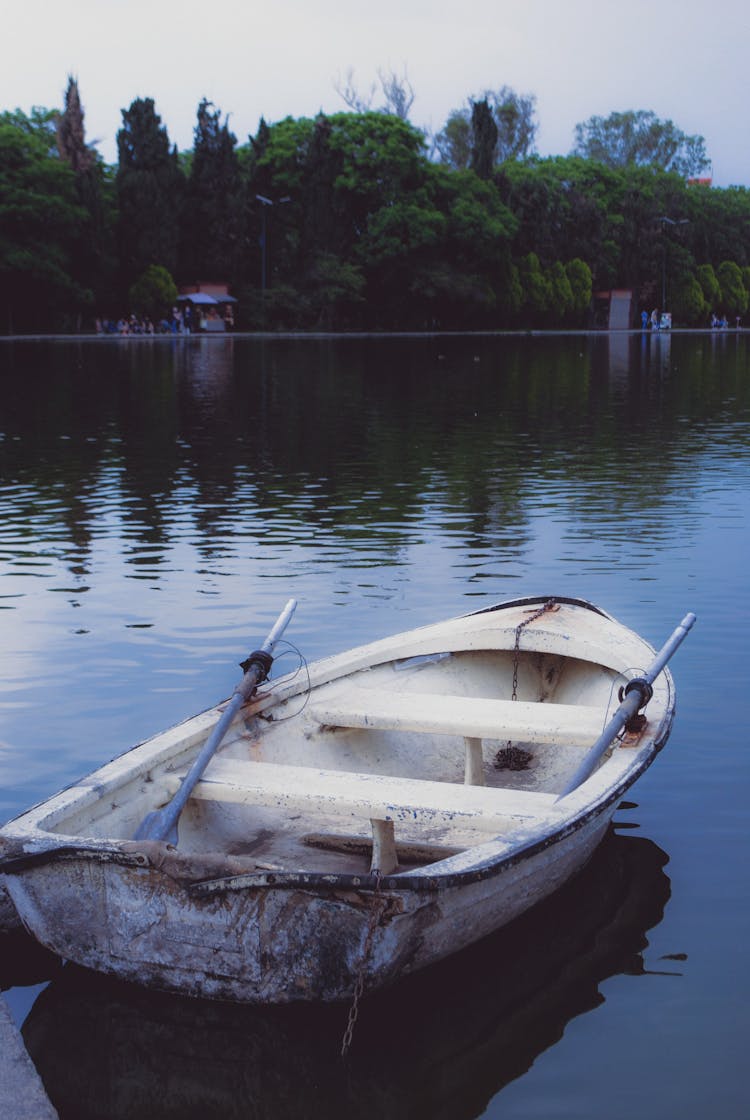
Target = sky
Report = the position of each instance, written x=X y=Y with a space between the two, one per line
x=682 y=59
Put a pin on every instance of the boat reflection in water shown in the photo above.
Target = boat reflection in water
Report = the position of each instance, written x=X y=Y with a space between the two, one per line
x=440 y=1044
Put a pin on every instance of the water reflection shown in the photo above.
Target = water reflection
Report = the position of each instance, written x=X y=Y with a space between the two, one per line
x=439 y=1046
x=353 y=447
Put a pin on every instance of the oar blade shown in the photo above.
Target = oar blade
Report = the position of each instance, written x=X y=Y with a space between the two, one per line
x=153 y=827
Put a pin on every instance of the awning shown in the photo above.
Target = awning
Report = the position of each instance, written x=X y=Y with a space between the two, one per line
x=204 y=297
x=199 y=297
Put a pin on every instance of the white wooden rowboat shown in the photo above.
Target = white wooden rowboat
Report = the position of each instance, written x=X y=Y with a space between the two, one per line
x=360 y=820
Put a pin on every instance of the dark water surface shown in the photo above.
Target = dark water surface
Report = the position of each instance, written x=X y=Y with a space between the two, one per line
x=160 y=501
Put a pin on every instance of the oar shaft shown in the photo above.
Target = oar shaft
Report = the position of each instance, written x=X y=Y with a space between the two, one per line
x=632 y=701
x=670 y=646
x=163 y=823
x=242 y=693
x=171 y=813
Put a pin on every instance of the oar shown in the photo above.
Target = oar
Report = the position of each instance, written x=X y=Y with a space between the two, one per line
x=637 y=694
x=162 y=823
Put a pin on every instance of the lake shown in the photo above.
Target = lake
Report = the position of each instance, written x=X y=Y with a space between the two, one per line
x=161 y=499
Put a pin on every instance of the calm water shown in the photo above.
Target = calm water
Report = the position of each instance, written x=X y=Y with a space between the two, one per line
x=160 y=501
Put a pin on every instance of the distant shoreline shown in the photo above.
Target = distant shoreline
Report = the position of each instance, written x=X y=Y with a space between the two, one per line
x=714 y=332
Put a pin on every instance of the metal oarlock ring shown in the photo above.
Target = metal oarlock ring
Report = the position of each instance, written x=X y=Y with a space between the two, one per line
x=641 y=685
x=258 y=657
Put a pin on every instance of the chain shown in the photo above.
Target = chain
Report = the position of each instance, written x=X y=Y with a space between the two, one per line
x=548 y=606
x=513 y=756
x=359 y=983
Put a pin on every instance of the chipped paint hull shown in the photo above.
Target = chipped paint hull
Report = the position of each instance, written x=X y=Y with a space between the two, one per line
x=287 y=917
x=274 y=945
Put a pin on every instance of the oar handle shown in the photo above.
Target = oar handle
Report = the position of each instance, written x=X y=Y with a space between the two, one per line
x=671 y=645
x=257 y=665
x=637 y=692
x=162 y=824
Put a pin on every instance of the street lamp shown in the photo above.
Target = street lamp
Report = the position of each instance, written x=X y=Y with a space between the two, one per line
x=665 y=221
x=265 y=202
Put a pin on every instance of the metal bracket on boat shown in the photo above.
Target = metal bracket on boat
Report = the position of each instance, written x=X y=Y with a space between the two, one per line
x=637 y=722
x=629 y=705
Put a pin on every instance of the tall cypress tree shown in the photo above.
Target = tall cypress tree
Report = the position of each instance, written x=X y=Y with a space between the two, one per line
x=484 y=137
x=71 y=132
x=323 y=230
x=94 y=252
x=150 y=189
x=212 y=233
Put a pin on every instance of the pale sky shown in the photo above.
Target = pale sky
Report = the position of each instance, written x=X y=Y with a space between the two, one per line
x=687 y=61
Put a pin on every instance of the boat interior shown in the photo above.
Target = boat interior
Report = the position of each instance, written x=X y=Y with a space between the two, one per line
x=392 y=767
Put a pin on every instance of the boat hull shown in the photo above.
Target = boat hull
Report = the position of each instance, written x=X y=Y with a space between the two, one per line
x=279 y=945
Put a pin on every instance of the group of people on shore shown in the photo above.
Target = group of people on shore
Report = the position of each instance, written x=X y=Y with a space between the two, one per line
x=131 y=324
x=721 y=322
x=181 y=321
x=663 y=321
x=656 y=321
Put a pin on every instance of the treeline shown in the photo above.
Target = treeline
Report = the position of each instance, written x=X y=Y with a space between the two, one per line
x=347 y=221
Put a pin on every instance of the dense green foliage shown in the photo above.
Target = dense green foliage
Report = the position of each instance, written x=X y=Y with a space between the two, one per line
x=40 y=219
x=153 y=293
x=343 y=221
x=640 y=138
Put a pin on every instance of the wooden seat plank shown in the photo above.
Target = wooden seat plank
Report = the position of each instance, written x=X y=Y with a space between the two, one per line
x=471 y=717
x=362 y=796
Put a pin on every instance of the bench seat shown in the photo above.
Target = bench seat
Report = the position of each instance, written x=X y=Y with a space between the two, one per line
x=367 y=797
x=472 y=717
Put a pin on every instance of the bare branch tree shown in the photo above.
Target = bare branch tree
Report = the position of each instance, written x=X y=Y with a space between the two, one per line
x=351 y=96
x=398 y=92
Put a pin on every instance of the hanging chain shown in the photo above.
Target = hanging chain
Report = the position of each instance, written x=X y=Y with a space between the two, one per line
x=359 y=983
x=548 y=606
x=510 y=757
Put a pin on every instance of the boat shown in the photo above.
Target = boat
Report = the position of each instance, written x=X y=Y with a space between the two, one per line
x=327 y=832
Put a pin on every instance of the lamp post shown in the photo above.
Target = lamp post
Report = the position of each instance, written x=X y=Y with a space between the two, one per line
x=264 y=203
x=665 y=221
